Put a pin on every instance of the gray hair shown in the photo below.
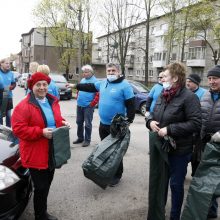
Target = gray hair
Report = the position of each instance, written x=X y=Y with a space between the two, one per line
x=87 y=67
x=117 y=66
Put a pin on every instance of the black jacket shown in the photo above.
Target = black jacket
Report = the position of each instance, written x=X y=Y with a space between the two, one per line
x=210 y=116
x=182 y=117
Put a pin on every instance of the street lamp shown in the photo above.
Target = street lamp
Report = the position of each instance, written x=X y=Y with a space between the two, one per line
x=44 y=35
x=79 y=12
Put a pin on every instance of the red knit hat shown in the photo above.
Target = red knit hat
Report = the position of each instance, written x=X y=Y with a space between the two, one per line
x=37 y=77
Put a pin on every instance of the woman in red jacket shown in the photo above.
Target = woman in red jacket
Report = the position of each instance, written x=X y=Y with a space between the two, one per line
x=33 y=120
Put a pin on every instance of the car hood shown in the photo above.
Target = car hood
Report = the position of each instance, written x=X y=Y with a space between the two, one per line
x=142 y=95
x=61 y=85
x=9 y=153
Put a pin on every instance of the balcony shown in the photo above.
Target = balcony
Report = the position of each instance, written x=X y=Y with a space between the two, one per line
x=159 y=63
x=196 y=63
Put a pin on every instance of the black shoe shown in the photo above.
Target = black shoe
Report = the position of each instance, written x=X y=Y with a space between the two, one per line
x=115 y=181
x=78 y=141
x=51 y=217
x=85 y=144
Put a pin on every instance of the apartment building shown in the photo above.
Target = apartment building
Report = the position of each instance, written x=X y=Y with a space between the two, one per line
x=197 y=54
x=39 y=45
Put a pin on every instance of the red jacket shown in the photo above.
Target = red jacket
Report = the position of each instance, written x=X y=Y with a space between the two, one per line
x=28 y=123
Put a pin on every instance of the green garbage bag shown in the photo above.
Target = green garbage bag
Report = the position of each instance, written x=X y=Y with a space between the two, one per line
x=158 y=178
x=61 y=146
x=204 y=184
x=103 y=162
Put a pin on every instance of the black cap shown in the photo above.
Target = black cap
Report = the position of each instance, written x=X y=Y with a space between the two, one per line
x=194 y=78
x=215 y=71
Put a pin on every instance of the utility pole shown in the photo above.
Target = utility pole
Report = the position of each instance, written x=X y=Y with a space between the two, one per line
x=79 y=12
x=80 y=37
x=45 y=38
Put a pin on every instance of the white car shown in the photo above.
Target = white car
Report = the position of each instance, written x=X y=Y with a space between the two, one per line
x=22 y=80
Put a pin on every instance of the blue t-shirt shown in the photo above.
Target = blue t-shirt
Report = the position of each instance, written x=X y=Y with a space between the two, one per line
x=45 y=106
x=53 y=90
x=112 y=98
x=154 y=94
x=200 y=92
x=85 y=98
x=7 y=78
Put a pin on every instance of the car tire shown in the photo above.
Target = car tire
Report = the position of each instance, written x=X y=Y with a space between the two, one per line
x=142 y=108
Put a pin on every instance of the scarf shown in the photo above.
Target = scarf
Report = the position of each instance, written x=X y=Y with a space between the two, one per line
x=169 y=94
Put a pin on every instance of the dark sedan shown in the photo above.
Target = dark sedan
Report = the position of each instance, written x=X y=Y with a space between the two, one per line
x=15 y=181
x=61 y=83
x=141 y=93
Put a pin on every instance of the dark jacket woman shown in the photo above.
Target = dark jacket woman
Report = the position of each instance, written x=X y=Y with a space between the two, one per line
x=174 y=121
x=181 y=116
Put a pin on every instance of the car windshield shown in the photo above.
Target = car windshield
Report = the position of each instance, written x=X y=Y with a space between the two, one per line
x=25 y=75
x=140 y=87
x=7 y=134
x=58 y=78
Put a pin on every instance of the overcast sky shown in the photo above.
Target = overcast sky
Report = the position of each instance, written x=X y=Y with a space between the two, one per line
x=16 y=18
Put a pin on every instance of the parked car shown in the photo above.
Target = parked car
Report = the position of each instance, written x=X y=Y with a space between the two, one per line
x=15 y=181
x=22 y=80
x=141 y=93
x=17 y=75
x=61 y=82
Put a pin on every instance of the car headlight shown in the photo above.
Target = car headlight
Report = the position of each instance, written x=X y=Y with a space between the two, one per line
x=7 y=177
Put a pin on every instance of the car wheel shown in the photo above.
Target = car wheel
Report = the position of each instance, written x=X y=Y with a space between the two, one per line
x=143 y=108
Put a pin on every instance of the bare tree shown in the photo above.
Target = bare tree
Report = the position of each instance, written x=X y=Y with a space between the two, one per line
x=124 y=17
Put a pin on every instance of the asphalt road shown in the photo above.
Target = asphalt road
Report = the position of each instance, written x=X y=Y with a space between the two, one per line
x=74 y=197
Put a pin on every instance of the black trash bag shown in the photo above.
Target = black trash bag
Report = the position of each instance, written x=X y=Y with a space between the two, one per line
x=119 y=126
x=205 y=183
x=103 y=162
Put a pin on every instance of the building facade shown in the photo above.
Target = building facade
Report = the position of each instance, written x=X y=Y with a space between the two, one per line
x=197 y=53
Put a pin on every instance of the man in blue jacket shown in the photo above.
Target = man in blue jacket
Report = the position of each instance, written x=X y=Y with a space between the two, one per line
x=86 y=102
x=116 y=97
x=8 y=84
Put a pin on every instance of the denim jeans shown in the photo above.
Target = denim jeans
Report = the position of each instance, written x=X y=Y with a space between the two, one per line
x=8 y=118
x=84 y=114
x=177 y=173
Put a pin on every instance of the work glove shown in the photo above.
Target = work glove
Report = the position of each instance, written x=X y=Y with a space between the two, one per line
x=216 y=137
x=169 y=144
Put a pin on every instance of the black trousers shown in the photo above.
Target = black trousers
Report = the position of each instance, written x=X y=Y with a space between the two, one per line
x=42 y=180
x=104 y=131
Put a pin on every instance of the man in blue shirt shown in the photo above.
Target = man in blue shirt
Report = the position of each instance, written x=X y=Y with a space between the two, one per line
x=7 y=82
x=116 y=97
x=86 y=102
x=192 y=83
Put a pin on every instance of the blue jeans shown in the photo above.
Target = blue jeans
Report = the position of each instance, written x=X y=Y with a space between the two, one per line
x=84 y=114
x=177 y=171
x=8 y=118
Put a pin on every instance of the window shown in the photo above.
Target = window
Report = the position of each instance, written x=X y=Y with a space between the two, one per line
x=138 y=73
x=151 y=73
x=196 y=53
x=164 y=27
x=157 y=56
x=143 y=73
x=164 y=55
x=173 y=56
x=152 y=30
